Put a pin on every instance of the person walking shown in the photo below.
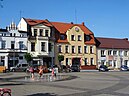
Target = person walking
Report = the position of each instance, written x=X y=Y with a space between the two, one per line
x=32 y=72
x=40 y=71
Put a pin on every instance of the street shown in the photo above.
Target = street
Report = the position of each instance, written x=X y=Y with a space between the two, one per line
x=90 y=83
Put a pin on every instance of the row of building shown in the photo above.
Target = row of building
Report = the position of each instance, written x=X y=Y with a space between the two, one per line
x=46 y=40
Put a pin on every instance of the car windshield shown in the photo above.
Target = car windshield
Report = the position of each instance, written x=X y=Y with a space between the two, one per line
x=103 y=66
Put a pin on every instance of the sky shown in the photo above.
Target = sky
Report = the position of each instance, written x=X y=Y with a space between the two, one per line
x=105 y=18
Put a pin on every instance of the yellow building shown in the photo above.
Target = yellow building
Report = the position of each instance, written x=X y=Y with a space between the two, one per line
x=76 y=42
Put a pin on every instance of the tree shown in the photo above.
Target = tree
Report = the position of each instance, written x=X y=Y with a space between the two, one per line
x=28 y=57
x=60 y=58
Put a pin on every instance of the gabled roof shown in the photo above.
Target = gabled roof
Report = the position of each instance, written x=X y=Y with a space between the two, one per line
x=33 y=22
x=63 y=27
x=112 y=43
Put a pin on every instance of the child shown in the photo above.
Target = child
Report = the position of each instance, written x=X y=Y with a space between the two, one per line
x=32 y=72
x=40 y=71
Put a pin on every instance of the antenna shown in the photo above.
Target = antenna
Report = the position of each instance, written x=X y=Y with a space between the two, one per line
x=1 y=4
x=75 y=16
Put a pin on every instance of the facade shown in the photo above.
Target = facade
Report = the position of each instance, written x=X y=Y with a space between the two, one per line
x=13 y=45
x=112 y=52
x=40 y=40
x=76 y=43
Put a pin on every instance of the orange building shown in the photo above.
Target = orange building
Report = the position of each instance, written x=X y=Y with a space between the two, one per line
x=76 y=43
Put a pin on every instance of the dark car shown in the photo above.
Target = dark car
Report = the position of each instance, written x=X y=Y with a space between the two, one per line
x=103 y=68
x=124 y=68
x=75 y=68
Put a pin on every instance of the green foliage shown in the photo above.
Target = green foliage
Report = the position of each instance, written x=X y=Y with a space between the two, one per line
x=60 y=58
x=28 y=57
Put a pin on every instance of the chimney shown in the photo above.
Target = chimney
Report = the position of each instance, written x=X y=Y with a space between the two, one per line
x=83 y=23
x=71 y=22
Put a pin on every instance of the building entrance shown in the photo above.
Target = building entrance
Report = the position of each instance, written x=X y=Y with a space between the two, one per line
x=76 y=61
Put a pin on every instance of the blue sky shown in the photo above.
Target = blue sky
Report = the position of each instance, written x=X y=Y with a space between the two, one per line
x=105 y=18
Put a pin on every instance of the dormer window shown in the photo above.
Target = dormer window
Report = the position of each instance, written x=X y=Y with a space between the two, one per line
x=62 y=37
x=87 y=37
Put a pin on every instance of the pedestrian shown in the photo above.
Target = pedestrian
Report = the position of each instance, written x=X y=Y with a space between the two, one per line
x=54 y=72
x=32 y=72
x=40 y=71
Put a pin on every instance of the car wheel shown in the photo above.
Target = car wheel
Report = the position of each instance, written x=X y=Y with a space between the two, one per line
x=13 y=70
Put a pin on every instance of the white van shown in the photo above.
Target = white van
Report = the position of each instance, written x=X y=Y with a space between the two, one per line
x=19 y=67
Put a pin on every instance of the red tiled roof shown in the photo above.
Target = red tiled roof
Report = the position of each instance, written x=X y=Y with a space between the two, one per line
x=33 y=22
x=63 y=27
x=113 y=43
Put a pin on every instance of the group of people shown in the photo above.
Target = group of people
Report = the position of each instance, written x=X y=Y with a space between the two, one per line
x=40 y=71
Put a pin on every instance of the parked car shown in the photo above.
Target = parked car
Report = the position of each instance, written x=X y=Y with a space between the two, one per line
x=124 y=68
x=75 y=68
x=19 y=67
x=103 y=68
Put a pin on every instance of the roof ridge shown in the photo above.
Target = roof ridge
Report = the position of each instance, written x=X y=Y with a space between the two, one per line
x=110 y=38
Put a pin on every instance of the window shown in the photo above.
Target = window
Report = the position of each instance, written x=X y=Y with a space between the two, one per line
x=79 y=37
x=66 y=49
x=21 y=45
x=79 y=49
x=66 y=61
x=12 y=44
x=114 y=53
x=41 y=32
x=109 y=52
x=35 y=32
x=92 y=61
x=46 y=33
x=110 y=63
x=32 y=46
x=87 y=37
x=43 y=46
x=125 y=53
x=120 y=53
x=73 y=49
x=21 y=57
x=62 y=37
x=50 y=47
x=91 y=49
x=14 y=34
x=102 y=53
x=3 y=44
x=125 y=62
x=11 y=34
x=85 y=49
x=86 y=61
x=59 y=49
x=72 y=38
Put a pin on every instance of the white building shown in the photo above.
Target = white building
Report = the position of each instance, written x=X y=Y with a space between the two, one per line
x=40 y=41
x=113 y=52
x=13 y=45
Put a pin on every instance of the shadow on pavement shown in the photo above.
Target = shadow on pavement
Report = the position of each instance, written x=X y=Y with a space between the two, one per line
x=9 y=84
x=43 y=94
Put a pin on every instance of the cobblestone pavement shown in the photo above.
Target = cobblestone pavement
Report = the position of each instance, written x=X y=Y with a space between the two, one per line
x=86 y=84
